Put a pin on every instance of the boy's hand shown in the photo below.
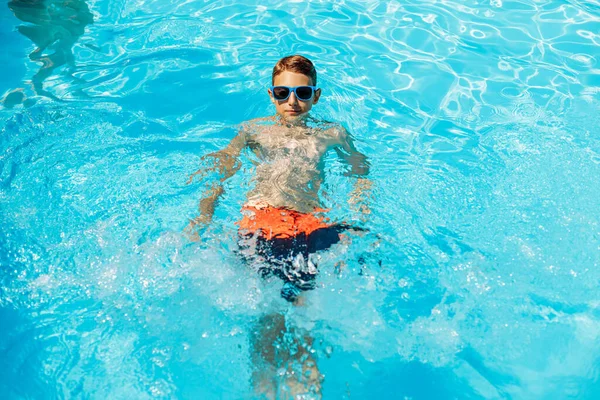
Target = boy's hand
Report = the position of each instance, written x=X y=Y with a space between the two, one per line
x=195 y=224
x=207 y=209
x=222 y=162
x=226 y=163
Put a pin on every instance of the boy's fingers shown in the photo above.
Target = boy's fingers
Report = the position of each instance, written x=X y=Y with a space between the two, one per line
x=191 y=178
x=202 y=174
x=191 y=229
x=193 y=236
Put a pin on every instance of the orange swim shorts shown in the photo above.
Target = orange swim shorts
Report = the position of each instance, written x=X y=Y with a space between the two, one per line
x=280 y=223
x=286 y=239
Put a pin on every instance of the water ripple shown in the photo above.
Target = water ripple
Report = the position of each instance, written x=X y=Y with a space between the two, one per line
x=479 y=118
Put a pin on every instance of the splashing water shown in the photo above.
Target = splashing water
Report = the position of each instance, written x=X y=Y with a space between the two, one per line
x=480 y=268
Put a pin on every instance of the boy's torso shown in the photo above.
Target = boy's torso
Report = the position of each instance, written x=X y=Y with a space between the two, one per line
x=289 y=165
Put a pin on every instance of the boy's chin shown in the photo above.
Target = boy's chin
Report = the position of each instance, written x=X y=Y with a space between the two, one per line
x=294 y=117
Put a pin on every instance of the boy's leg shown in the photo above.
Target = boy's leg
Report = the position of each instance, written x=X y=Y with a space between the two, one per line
x=283 y=364
x=263 y=355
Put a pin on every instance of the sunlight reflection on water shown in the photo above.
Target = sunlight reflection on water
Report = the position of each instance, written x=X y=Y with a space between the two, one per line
x=480 y=268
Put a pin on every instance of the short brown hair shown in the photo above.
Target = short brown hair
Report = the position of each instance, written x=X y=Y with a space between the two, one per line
x=298 y=64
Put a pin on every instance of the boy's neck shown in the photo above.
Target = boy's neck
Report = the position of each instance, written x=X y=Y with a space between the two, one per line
x=298 y=122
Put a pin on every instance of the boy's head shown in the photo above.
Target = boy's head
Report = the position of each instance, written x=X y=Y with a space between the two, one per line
x=294 y=72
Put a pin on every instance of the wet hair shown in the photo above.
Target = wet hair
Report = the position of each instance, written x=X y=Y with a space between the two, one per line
x=298 y=64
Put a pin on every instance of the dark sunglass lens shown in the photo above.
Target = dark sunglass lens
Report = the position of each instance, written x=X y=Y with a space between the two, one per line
x=281 y=92
x=304 y=92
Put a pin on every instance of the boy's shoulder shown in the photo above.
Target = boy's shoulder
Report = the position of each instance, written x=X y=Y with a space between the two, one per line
x=252 y=124
x=335 y=130
x=323 y=128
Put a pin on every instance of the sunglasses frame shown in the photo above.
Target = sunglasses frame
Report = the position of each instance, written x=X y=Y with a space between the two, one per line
x=293 y=89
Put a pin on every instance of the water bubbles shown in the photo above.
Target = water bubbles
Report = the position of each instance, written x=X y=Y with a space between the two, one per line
x=392 y=7
x=470 y=140
x=526 y=111
x=585 y=59
x=477 y=34
x=429 y=18
x=585 y=34
x=512 y=92
x=504 y=66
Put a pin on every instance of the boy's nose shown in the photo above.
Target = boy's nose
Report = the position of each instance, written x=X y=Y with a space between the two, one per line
x=292 y=99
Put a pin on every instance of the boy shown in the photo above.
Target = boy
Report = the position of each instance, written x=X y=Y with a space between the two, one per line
x=281 y=227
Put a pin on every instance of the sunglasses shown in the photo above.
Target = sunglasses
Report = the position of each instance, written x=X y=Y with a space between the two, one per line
x=303 y=93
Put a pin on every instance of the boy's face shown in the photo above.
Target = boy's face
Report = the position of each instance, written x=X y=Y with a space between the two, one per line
x=292 y=109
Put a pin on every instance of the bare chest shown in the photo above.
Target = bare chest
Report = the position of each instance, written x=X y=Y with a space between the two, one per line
x=276 y=142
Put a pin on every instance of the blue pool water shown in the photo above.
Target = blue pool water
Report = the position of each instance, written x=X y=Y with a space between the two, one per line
x=479 y=277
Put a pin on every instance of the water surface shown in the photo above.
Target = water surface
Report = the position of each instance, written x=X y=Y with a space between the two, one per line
x=478 y=278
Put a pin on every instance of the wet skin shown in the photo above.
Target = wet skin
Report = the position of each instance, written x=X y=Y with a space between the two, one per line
x=289 y=150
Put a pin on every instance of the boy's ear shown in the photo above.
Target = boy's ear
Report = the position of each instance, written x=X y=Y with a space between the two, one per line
x=271 y=96
x=317 y=95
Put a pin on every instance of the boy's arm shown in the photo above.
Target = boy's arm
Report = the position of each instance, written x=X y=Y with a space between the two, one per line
x=358 y=162
x=226 y=162
x=359 y=167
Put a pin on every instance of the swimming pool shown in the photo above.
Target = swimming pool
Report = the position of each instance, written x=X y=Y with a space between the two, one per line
x=478 y=277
